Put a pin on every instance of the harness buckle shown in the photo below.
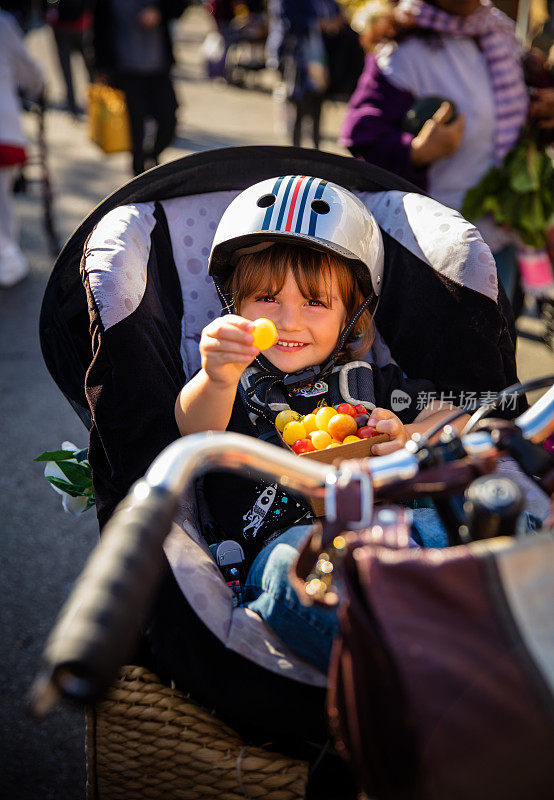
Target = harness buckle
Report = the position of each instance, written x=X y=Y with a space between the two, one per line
x=229 y=557
x=301 y=378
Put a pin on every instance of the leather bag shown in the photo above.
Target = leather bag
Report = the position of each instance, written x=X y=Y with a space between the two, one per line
x=442 y=679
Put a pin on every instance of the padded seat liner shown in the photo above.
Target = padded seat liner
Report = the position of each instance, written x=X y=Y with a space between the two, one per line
x=239 y=629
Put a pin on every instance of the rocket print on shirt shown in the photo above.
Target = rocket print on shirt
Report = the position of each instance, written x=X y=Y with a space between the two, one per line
x=255 y=517
x=270 y=505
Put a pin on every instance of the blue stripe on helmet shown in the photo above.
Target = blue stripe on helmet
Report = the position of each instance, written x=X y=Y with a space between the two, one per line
x=284 y=202
x=298 y=227
x=269 y=212
x=314 y=216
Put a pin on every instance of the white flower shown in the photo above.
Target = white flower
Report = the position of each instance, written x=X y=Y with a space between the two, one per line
x=80 y=497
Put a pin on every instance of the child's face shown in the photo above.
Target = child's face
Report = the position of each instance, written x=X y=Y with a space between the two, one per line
x=308 y=328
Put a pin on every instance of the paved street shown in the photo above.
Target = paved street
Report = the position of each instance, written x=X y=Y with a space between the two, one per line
x=43 y=549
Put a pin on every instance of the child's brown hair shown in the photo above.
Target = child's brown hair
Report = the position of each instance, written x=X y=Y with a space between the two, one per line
x=266 y=271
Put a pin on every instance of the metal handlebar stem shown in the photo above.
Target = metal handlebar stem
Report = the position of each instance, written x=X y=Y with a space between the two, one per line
x=187 y=458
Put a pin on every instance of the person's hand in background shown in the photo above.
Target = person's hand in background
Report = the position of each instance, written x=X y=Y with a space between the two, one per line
x=438 y=137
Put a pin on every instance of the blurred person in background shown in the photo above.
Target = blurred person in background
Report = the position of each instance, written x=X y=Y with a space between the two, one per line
x=71 y=23
x=223 y=12
x=295 y=48
x=344 y=52
x=133 y=52
x=301 y=34
x=465 y=52
x=373 y=21
x=18 y=72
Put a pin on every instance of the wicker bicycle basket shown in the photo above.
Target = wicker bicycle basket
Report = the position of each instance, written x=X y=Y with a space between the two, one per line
x=146 y=740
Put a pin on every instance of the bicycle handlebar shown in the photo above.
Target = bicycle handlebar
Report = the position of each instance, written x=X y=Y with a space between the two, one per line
x=102 y=618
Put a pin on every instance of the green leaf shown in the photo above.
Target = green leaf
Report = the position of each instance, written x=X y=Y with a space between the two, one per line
x=78 y=474
x=537 y=219
x=491 y=205
x=547 y=173
x=66 y=487
x=531 y=238
x=489 y=186
x=523 y=183
x=519 y=194
x=534 y=161
x=521 y=179
x=55 y=455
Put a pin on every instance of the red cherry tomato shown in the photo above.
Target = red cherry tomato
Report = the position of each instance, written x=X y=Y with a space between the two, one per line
x=361 y=420
x=346 y=408
x=303 y=446
x=360 y=409
x=367 y=433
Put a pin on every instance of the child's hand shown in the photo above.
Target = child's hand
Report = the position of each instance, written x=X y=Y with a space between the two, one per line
x=226 y=349
x=387 y=422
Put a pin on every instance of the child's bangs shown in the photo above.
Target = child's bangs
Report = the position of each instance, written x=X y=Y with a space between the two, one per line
x=310 y=272
x=255 y=274
x=265 y=272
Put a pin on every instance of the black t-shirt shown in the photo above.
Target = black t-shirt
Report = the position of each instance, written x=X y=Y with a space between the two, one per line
x=249 y=510
x=252 y=511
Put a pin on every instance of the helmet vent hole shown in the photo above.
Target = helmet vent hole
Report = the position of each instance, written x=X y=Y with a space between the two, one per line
x=266 y=200
x=320 y=206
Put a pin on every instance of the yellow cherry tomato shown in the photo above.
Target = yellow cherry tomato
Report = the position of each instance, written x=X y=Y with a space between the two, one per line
x=293 y=431
x=288 y=415
x=320 y=439
x=350 y=439
x=309 y=423
x=264 y=333
x=333 y=444
x=323 y=416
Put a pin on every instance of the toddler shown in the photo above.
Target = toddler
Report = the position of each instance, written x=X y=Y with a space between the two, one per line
x=307 y=255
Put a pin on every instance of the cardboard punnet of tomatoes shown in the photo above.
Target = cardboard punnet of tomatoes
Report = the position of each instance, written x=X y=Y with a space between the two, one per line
x=329 y=433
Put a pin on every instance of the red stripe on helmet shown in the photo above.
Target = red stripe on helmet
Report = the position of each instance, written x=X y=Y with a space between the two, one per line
x=297 y=186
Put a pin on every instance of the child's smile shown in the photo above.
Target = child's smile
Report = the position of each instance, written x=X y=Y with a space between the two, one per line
x=308 y=327
x=289 y=345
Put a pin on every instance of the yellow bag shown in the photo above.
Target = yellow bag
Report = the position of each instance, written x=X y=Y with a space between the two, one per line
x=108 y=119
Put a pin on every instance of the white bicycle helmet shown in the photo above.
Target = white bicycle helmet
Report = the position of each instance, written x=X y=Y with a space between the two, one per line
x=301 y=209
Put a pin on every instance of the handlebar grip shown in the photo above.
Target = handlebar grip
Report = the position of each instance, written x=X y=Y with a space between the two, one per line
x=101 y=620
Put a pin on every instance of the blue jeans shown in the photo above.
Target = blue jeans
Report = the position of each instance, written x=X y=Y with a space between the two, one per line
x=307 y=630
x=427 y=528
